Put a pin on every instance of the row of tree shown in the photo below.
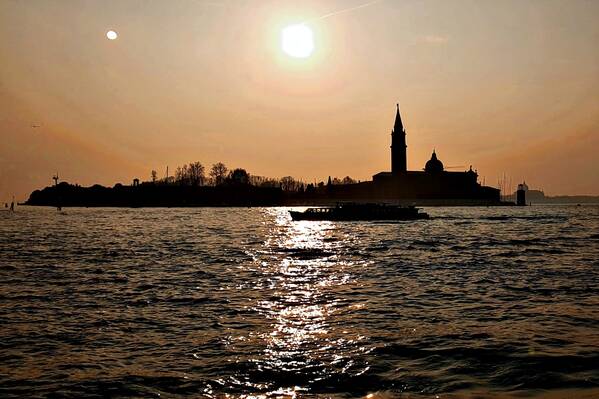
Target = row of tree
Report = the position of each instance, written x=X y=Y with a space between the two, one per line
x=194 y=174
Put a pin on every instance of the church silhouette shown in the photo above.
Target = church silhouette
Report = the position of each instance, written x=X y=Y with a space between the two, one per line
x=432 y=185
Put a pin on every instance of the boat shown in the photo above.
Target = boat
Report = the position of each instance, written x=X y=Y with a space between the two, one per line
x=354 y=211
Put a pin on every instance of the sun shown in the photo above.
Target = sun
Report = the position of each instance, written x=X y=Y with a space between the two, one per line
x=297 y=41
x=111 y=35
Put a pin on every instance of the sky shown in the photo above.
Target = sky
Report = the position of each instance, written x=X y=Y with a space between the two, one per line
x=509 y=87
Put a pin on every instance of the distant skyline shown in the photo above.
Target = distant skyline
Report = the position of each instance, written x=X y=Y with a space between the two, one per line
x=508 y=87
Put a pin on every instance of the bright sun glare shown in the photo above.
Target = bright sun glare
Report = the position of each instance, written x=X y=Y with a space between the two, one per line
x=297 y=41
x=111 y=35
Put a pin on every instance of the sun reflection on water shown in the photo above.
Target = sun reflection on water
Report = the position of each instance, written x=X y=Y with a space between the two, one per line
x=296 y=332
x=300 y=307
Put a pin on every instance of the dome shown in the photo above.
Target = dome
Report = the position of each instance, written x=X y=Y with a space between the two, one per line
x=433 y=165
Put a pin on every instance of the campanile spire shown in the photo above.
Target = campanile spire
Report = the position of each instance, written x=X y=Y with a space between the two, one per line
x=398 y=146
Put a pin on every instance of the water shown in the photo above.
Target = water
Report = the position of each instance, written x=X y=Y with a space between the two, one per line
x=212 y=302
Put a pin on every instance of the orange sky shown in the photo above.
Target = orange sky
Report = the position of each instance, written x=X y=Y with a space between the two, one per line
x=510 y=87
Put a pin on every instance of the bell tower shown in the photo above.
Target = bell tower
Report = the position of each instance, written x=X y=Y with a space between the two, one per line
x=399 y=163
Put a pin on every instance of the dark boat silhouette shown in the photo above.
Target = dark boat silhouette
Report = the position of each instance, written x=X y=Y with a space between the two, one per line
x=352 y=211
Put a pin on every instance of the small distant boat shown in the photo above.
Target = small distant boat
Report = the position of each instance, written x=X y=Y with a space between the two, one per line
x=353 y=211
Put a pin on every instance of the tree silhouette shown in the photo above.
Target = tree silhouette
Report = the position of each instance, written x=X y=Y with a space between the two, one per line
x=190 y=175
x=180 y=173
x=218 y=173
x=262 y=181
x=348 y=180
x=196 y=174
x=288 y=183
x=239 y=176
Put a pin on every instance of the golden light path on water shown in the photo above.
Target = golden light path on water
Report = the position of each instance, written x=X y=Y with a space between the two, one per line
x=303 y=273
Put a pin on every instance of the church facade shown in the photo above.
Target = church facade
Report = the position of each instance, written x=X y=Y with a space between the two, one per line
x=432 y=183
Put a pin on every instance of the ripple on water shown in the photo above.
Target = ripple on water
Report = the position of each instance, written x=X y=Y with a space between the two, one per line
x=206 y=302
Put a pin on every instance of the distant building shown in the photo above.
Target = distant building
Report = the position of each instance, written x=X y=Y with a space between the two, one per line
x=531 y=194
x=521 y=194
x=434 y=182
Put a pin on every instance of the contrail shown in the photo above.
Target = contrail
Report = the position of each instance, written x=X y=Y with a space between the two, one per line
x=344 y=11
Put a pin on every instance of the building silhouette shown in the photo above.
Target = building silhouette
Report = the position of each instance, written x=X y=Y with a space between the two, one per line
x=399 y=160
x=432 y=185
x=433 y=182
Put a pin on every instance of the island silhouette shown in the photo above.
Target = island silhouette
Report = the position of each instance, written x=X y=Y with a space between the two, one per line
x=190 y=186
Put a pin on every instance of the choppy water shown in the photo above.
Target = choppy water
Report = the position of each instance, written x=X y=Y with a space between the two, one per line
x=206 y=302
